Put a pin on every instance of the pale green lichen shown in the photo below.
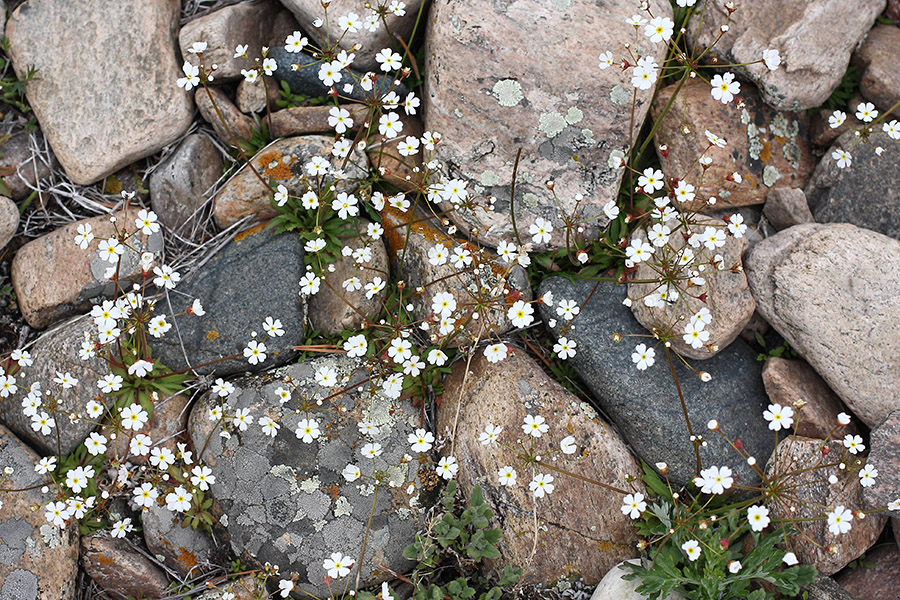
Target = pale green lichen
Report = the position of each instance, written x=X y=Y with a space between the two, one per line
x=50 y=535
x=792 y=154
x=342 y=507
x=489 y=178
x=530 y=200
x=770 y=175
x=508 y=92
x=562 y=4
x=619 y=95
x=780 y=125
x=574 y=115
x=588 y=136
x=745 y=117
x=551 y=124
x=588 y=411
x=310 y=485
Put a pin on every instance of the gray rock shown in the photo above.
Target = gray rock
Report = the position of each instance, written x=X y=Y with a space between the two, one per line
x=178 y=187
x=286 y=501
x=370 y=43
x=9 y=220
x=131 y=107
x=256 y=275
x=786 y=207
x=305 y=80
x=727 y=295
x=28 y=168
x=884 y=455
x=613 y=586
x=826 y=588
x=38 y=561
x=810 y=68
x=824 y=289
x=863 y=194
x=506 y=71
x=242 y=23
x=57 y=350
x=178 y=546
x=645 y=405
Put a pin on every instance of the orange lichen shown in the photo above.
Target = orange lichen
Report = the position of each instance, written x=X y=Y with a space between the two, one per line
x=248 y=232
x=105 y=560
x=274 y=165
x=766 y=152
x=187 y=558
x=212 y=335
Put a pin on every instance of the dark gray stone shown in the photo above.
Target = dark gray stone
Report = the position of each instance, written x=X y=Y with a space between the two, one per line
x=285 y=501
x=179 y=546
x=57 y=350
x=865 y=194
x=177 y=186
x=256 y=275
x=825 y=588
x=645 y=404
x=305 y=80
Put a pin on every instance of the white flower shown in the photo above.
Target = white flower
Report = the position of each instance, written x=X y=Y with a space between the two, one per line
x=771 y=58
x=351 y=473
x=779 y=417
x=447 y=467
x=633 y=505
x=490 y=434
x=567 y=445
x=540 y=231
x=867 y=476
x=338 y=565
x=758 y=517
x=255 y=352
x=507 y=476
x=535 y=426
x=541 y=485
x=839 y=520
x=495 y=352
x=692 y=549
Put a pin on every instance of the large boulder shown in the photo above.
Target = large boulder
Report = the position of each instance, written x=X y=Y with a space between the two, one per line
x=824 y=289
x=598 y=534
x=645 y=405
x=286 y=501
x=564 y=113
x=103 y=100
x=811 y=68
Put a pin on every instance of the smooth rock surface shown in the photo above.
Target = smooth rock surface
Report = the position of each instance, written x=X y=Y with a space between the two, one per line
x=408 y=248
x=395 y=168
x=877 y=59
x=9 y=220
x=786 y=207
x=303 y=120
x=286 y=501
x=183 y=549
x=122 y=88
x=166 y=424
x=370 y=42
x=536 y=95
x=57 y=350
x=796 y=463
x=178 y=186
x=253 y=277
x=232 y=125
x=255 y=97
x=79 y=276
x=644 y=405
x=120 y=570
x=848 y=335
x=587 y=541
x=884 y=455
x=39 y=560
x=283 y=160
x=863 y=194
x=27 y=167
x=727 y=294
x=766 y=147
x=335 y=309
x=808 y=72
x=223 y=29
x=790 y=381
x=614 y=587
x=878 y=581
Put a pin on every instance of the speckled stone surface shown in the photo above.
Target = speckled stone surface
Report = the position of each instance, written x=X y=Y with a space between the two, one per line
x=285 y=501
x=79 y=276
x=57 y=350
x=38 y=561
x=511 y=71
x=121 y=87
x=764 y=146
